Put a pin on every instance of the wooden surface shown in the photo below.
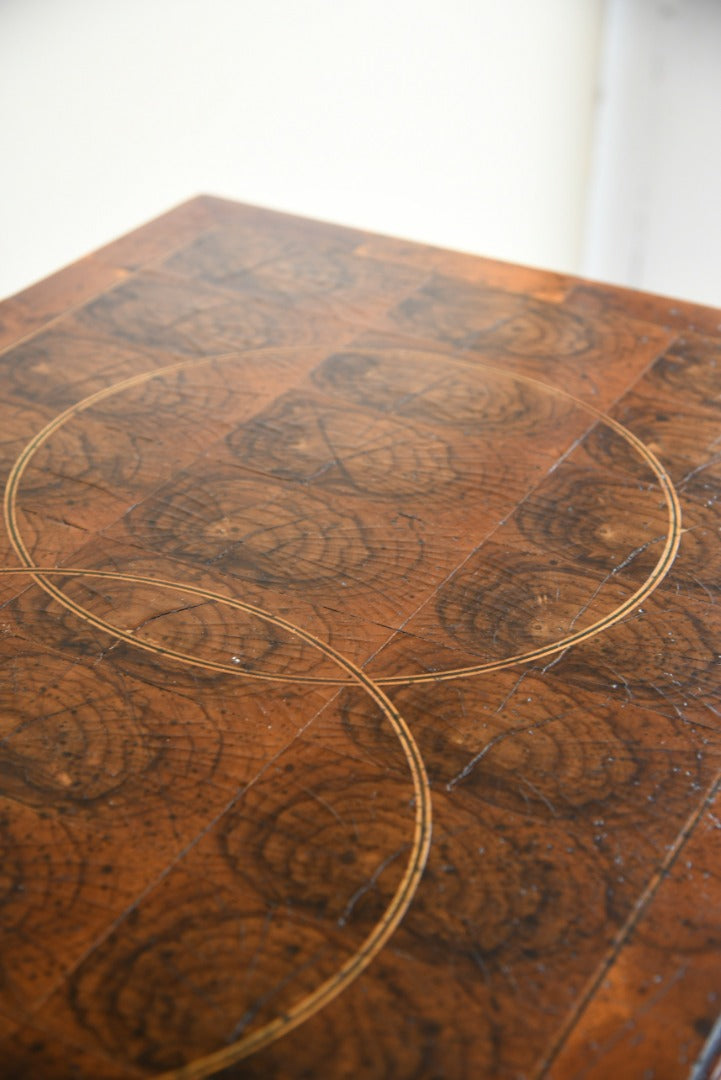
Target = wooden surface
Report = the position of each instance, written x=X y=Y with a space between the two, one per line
x=360 y=651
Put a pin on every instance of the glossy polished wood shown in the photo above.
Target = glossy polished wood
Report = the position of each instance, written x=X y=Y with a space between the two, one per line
x=360 y=655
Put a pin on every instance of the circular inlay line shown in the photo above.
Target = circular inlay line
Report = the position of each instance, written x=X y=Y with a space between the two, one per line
x=654 y=579
x=403 y=895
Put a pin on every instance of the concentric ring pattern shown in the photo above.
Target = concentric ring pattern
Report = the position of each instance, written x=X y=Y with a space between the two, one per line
x=407 y=432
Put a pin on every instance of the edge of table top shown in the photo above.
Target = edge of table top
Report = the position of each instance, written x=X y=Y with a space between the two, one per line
x=27 y=312
x=35 y=308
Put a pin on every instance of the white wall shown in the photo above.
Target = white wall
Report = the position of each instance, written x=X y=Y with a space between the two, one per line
x=465 y=123
x=654 y=217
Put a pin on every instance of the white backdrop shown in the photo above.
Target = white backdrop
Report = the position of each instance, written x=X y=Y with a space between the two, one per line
x=580 y=135
x=654 y=212
x=466 y=123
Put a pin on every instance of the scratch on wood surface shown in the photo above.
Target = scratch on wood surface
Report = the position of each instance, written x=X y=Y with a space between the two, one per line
x=499 y=738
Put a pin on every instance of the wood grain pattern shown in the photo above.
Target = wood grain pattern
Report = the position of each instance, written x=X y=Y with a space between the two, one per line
x=360 y=694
